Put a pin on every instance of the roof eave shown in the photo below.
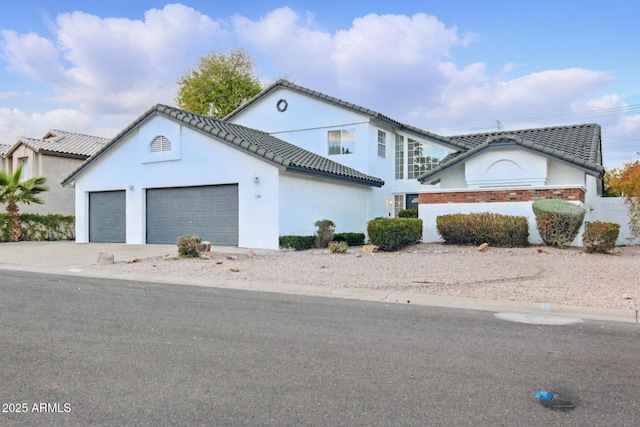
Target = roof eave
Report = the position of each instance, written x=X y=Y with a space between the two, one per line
x=111 y=144
x=352 y=180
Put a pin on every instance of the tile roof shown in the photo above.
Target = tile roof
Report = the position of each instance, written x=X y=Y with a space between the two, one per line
x=576 y=145
x=374 y=115
x=281 y=153
x=4 y=148
x=66 y=144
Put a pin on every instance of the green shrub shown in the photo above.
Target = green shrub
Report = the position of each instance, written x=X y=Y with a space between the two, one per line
x=408 y=213
x=41 y=227
x=299 y=243
x=391 y=234
x=478 y=228
x=188 y=246
x=324 y=233
x=338 y=247
x=352 y=239
x=558 y=221
x=600 y=236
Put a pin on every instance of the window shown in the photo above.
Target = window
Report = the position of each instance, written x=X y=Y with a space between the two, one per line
x=382 y=144
x=24 y=162
x=399 y=157
x=421 y=158
x=160 y=143
x=398 y=204
x=342 y=141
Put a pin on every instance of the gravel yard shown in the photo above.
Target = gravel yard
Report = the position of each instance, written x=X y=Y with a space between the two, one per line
x=534 y=274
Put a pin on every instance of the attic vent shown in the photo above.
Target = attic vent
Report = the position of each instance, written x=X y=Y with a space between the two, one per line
x=160 y=143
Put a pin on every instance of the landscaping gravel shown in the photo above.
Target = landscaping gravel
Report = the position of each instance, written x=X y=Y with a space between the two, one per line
x=535 y=274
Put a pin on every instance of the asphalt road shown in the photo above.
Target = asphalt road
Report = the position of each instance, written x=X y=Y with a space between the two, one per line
x=82 y=351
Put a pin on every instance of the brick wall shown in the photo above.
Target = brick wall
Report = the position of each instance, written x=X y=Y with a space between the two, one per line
x=488 y=196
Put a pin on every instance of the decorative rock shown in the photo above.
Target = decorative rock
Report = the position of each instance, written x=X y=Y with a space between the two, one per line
x=251 y=253
x=132 y=260
x=105 y=258
x=234 y=269
x=204 y=246
x=626 y=296
x=232 y=257
x=205 y=256
x=358 y=255
x=369 y=249
x=170 y=257
x=218 y=261
x=483 y=247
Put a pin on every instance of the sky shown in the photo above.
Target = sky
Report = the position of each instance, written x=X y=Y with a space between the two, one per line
x=450 y=67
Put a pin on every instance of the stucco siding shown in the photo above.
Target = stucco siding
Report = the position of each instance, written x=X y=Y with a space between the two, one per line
x=200 y=161
x=306 y=123
x=303 y=201
x=505 y=167
x=562 y=174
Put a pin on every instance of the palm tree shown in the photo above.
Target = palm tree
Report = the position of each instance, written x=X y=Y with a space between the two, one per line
x=13 y=192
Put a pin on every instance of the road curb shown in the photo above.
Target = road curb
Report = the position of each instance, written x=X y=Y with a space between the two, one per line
x=394 y=297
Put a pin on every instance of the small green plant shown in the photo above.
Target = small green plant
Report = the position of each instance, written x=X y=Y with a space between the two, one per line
x=478 y=228
x=558 y=221
x=299 y=243
x=408 y=213
x=40 y=227
x=600 y=236
x=338 y=247
x=352 y=239
x=391 y=234
x=324 y=233
x=188 y=246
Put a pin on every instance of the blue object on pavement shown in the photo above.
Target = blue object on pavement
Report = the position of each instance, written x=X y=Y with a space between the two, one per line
x=544 y=395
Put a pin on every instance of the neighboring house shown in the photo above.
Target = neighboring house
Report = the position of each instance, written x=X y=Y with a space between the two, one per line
x=54 y=157
x=172 y=173
x=501 y=172
x=3 y=161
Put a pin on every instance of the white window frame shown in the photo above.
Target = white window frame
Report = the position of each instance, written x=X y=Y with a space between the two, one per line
x=24 y=162
x=398 y=204
x=341 y=142
x=382 y=144
x=415 y=168
x=399 y=157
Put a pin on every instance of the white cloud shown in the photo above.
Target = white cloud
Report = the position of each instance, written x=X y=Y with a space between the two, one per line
x=470 y=93
x=17 y=123
x=114 y=64
x=114 y=69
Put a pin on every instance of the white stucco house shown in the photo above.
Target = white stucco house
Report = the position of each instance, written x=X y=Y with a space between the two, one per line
x=500 y=172
x=53 y=156
x=291 y=156
x=172 y=173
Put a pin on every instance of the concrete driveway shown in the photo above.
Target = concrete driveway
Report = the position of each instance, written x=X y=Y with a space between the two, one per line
x=66 y=254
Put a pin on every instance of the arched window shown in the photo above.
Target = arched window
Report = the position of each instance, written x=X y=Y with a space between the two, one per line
x=160 y=143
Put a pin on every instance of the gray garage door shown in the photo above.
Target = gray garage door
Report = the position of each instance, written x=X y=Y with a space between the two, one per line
x=107 y=213
x=210 y=212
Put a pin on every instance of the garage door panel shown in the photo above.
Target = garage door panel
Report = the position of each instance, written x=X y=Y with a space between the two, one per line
x=107 y=217
x=210 y=212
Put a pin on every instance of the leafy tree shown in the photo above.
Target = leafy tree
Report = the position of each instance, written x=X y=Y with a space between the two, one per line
x=14 y=191
x=219 y=84
x=609 y=175
x=626 y=183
